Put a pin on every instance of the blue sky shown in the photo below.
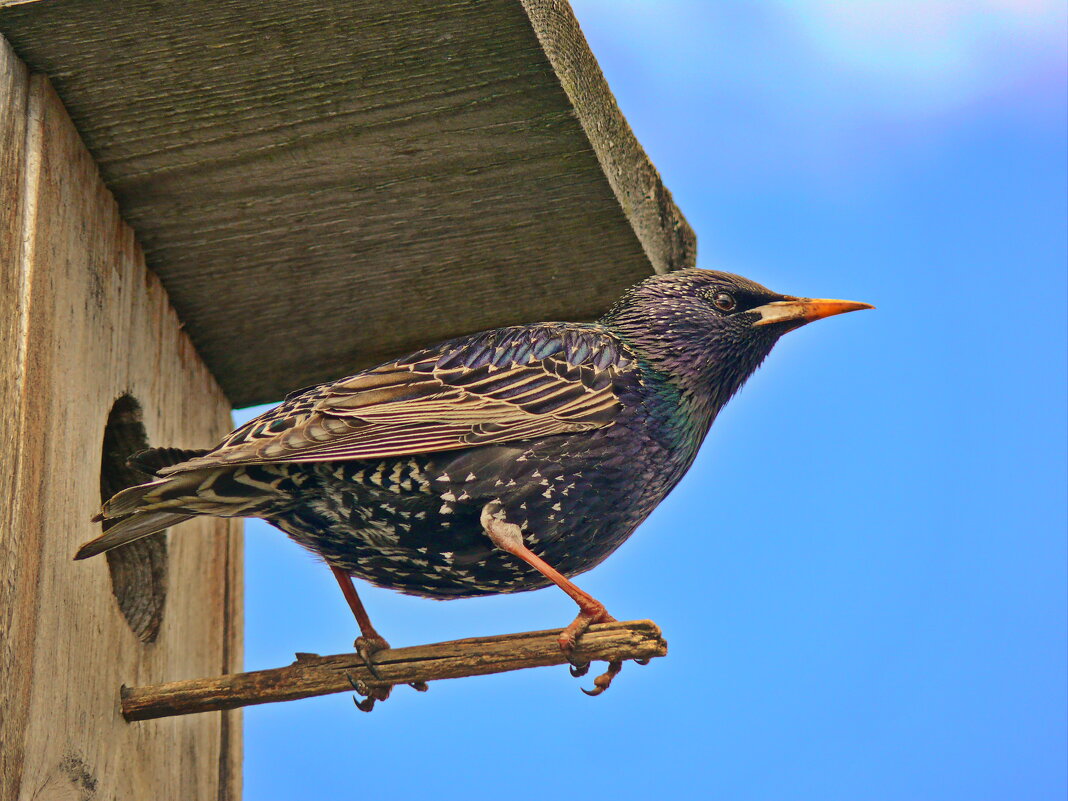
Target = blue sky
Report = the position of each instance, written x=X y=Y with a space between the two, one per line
x=863 y=578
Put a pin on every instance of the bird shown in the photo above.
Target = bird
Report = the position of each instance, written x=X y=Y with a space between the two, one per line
x=497 y=462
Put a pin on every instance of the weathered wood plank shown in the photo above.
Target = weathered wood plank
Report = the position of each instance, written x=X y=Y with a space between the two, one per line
x=97 y=325
x=666 y=237
x=16 y=566
x=322 y=185
x=314 y=675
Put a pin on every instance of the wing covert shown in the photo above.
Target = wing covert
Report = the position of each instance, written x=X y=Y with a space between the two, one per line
x=500 y=386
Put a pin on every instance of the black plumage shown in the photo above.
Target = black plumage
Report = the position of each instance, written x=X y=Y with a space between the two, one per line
x=413 y=474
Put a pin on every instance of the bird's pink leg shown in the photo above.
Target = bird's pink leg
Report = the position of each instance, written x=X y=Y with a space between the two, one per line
x=509 y=537
x=372 y=641
x=367 y=644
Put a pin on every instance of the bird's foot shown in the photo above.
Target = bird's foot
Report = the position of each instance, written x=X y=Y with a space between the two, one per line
x=370 y=693
x=569 y=637
x=604 y=681
x=367 y=646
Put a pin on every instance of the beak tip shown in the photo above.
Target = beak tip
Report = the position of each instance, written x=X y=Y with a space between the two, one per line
x=819 y=309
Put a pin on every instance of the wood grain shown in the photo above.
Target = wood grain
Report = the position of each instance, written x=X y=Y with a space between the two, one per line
x=666 y=237
x=322 y=185
x=320 y=675
x=92 y=325
x=18 y=566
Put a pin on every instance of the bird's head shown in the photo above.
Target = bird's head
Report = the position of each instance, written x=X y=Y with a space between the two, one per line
x=709 y=331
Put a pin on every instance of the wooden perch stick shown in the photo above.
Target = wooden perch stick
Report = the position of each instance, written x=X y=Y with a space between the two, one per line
x=320 y=675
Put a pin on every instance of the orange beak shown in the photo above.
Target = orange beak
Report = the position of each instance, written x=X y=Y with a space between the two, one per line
x=804 y=310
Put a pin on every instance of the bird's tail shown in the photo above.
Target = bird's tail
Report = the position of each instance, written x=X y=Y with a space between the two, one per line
x=129 y=529
x=144 y=509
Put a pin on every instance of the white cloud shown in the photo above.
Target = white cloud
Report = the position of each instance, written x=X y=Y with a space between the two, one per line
x=931 y=54
x=904 y=56
x=829 y=92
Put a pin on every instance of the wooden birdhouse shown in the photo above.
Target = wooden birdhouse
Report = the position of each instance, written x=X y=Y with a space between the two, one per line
x=206 y=205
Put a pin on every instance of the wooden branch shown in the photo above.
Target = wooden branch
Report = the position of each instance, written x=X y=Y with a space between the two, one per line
x=320 y=675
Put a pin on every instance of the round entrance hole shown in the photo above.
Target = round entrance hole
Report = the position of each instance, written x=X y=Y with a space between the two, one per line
x=138 y=570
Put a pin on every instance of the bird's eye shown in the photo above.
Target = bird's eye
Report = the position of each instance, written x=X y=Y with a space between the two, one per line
x=724 y=301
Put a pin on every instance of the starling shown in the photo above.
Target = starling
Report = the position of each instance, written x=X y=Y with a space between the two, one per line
x=498 y=462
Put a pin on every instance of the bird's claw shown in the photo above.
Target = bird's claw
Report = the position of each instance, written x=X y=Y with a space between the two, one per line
x=579 y=669
x=370 y=694
x=642 y=662
x=367 y=647
x=604 y=681
x=366 y=705
x=373 y=693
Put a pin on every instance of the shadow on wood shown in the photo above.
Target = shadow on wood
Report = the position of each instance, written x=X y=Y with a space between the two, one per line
x=321 y=675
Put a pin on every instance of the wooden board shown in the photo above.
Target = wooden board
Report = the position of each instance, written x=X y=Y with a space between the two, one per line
x=92 y=324
x=16 y=604
x=323 y=184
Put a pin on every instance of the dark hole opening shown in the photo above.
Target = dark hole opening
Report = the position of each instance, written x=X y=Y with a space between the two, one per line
x=138 y=570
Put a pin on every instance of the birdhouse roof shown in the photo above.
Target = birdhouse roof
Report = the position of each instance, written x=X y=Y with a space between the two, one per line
x=325 y=184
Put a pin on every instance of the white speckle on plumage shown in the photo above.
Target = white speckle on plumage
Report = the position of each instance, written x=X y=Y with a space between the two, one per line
x=471 y=477
x=556 y=507
x=381 y=535
x=448 y=496
x=445 y=509
x=444 y=477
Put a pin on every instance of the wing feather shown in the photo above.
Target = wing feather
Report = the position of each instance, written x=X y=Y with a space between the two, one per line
x=500 y=386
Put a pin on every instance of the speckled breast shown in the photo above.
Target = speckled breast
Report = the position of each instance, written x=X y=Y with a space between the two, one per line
x=412 y=524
